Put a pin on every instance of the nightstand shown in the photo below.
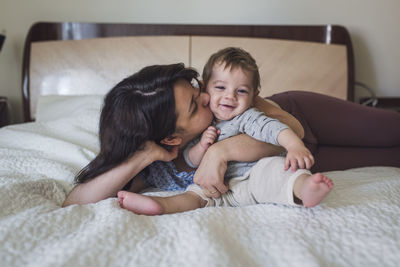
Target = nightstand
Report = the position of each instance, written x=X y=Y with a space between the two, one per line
x=392 y=103
x=3 y=111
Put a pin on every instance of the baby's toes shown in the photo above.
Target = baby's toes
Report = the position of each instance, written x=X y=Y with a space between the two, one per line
x=329 y=182
x=121 y=196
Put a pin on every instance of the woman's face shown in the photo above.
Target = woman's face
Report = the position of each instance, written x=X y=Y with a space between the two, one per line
x=191 y=107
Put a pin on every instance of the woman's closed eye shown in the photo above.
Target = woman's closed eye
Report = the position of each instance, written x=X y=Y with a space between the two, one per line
x=193 y=106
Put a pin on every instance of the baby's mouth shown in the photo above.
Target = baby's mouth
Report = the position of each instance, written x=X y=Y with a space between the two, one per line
x=225 y=106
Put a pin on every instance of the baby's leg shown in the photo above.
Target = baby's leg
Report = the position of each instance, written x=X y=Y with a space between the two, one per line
x=312 y=189
x=149 y=205
x=270 y=183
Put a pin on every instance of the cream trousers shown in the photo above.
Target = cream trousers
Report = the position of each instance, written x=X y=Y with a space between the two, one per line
x=265 y=182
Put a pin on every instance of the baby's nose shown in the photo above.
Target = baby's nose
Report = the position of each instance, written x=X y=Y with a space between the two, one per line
x=230 y=95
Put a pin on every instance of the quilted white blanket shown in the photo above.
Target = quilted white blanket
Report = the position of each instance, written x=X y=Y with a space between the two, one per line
x=357 y=225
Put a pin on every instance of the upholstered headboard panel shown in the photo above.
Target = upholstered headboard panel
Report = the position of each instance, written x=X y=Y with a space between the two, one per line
x=68 y=63
x=94 y=66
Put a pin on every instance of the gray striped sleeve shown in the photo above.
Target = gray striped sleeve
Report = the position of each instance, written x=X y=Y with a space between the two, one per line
x=257 y=125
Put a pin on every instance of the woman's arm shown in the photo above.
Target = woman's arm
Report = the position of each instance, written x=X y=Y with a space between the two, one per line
x=272 y=110
x=109 y=183
x=210 y=173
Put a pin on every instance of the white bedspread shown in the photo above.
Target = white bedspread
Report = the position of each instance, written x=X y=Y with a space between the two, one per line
x=357 y=225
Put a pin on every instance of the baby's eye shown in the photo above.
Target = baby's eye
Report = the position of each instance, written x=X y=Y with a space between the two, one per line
x=220 y=87
x=243 y=91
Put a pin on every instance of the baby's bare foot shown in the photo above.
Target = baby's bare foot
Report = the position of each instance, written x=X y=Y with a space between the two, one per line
x=139 y=204
x=315 y=189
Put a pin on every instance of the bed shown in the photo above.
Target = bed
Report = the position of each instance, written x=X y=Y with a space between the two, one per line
x=67 y=69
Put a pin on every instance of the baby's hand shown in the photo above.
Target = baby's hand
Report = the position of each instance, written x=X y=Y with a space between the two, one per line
x=299 y=157
x=209 y=136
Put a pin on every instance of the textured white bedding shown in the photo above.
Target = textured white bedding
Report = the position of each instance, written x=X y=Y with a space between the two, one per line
x=358 y=224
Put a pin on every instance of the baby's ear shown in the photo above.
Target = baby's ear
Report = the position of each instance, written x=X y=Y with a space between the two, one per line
x=256 y=92
x=171 y=140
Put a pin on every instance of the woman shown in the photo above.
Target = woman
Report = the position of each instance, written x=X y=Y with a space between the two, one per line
x=145 y=121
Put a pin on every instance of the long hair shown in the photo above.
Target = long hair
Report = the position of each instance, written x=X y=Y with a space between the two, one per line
x=138 y=109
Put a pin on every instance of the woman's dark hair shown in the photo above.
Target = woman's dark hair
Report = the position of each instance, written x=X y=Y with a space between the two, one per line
x=139 y=108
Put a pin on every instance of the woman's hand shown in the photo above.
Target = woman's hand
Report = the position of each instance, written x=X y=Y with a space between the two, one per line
x=210 y=173
x=157 y=152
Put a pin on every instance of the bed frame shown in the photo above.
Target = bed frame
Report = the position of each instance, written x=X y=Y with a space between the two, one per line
x=289 y=56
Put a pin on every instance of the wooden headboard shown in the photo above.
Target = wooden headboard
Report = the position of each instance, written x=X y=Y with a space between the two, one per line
x=90 y=58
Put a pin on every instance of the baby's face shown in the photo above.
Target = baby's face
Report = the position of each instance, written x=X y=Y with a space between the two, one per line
x=231 y=92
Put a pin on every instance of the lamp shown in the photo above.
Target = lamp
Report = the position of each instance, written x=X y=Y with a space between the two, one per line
x=2 y=38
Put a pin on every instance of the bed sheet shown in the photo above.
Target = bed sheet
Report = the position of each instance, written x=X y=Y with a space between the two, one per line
x=356 y=225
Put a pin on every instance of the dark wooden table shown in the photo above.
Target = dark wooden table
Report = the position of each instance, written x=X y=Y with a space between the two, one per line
x=385 y=102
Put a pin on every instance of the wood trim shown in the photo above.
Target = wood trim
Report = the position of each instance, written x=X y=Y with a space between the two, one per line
x=3 y=111
x=47 y=31
x=2 y=39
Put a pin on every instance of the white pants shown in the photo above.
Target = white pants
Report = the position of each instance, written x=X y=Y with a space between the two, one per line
x=265 y=182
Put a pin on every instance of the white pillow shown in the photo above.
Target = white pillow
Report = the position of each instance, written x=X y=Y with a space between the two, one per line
x=52 y=107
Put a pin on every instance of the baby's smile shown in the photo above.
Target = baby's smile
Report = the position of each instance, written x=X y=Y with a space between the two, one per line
x=226 y=106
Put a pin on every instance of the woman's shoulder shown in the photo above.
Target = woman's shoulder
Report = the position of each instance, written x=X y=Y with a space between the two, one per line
x=260 y=102
x=272 y=102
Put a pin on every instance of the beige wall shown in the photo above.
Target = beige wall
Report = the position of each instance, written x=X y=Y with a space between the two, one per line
x=373 y=26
